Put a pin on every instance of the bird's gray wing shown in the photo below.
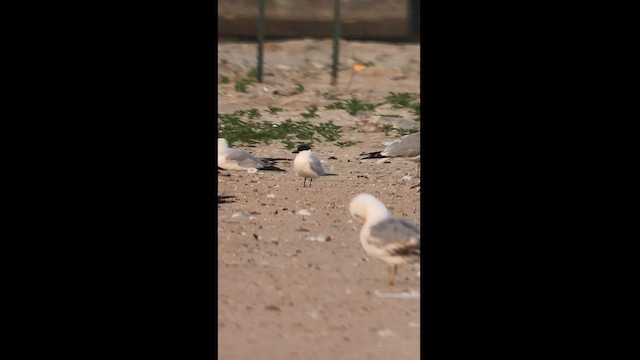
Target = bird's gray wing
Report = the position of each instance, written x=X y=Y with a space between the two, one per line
x=316 y=166
x=245 y=158
x=406 y=146
x=398 y=237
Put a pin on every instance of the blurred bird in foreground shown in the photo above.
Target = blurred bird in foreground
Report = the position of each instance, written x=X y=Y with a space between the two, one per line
x=391 y=240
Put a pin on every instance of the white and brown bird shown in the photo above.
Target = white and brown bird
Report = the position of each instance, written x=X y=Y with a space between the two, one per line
x=393 y=241
x=237 y=159
x=307 y=165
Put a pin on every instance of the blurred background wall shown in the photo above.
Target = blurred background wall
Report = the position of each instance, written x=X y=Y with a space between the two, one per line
x=383 y=20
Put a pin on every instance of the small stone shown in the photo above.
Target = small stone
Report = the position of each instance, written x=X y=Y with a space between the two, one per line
x=240 y=214
x=320 y=238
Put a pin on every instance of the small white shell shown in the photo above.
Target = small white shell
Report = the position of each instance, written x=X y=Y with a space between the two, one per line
x=240 y=214
x=320 y=238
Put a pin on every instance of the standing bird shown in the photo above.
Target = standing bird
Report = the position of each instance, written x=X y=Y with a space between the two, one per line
x=307 y=165
x=407 y=147
x=238 y=159
x=391 y=240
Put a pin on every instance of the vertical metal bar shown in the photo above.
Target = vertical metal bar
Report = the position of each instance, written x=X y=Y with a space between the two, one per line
x=414 y=20
x=260 y=40
x=336 y=41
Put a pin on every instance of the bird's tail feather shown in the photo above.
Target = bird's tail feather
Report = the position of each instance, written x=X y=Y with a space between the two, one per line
x=272 y=168
x=277 y=159
x=373 y=155
x=222 y=199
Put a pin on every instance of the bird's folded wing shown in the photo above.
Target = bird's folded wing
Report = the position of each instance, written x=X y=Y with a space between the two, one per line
x=398 y=237
x=407 y=146
x=244 y=158
x=316 y=166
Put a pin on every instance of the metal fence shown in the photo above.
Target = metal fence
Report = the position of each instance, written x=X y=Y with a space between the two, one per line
x=383 y=20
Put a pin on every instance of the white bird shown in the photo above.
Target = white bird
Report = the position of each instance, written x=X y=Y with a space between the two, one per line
x=393 y=241
x=307 y=165
x=238 y=159
x=407 y=147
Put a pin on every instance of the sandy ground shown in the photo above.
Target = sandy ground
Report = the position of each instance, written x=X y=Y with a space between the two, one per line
x=282 y=294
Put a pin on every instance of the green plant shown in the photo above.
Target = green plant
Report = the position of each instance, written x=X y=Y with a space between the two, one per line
x=353 y=106
x=311 y=112
x=305 y=131
x=342 y=145
x=233 y=128
x=416 y=110
x=241 y=85
x=399 y=99
x=368 y=64
x=288 y=144
x=253 y=113
x=386 y=128
x=253 y=73
x=299 y=89
x=273 y=110
x=329 y=131
x=335 y=105
x=402 y=132
x=224 y=79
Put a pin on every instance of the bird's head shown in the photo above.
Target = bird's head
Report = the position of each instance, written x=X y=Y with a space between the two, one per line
x=367 y=208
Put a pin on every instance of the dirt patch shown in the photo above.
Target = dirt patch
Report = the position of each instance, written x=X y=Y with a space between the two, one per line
x=295 y=286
